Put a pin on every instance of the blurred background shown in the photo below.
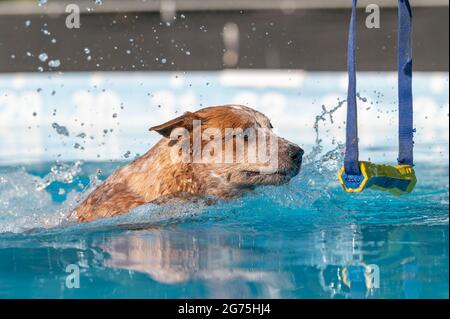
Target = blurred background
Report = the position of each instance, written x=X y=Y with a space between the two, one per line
x=262 y=34
x=91 y=92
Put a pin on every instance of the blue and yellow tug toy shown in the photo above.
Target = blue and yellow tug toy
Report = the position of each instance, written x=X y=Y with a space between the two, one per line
x=356 y=176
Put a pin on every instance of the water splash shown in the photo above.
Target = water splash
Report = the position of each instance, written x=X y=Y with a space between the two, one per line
x=60 y=172
x=27 y=206
x=322 y=117
x=24 y=206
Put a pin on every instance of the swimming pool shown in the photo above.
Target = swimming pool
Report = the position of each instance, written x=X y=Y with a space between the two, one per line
x=306 y=239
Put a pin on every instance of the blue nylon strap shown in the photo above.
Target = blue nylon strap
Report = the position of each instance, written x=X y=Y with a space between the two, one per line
x=405 y=133
x=406 y=143
x=351 y=160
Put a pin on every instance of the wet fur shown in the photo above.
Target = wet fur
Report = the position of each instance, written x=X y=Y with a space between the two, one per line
x=155 y=178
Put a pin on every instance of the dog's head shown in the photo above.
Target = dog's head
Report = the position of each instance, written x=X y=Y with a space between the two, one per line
x=229 y=148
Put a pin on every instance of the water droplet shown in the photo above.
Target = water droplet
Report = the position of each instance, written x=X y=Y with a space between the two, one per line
x=54 y=63
x=43 y=57
x=61 y=130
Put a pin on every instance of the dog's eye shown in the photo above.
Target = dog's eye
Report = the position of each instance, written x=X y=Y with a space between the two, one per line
x=270 y=125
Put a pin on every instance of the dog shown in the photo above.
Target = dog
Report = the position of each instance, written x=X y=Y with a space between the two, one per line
x=202 y=153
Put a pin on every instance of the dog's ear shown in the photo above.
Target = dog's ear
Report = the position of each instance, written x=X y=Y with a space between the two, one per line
x=186 y=121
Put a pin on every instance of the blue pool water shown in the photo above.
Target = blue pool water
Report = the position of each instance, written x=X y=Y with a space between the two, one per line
x=304 y=240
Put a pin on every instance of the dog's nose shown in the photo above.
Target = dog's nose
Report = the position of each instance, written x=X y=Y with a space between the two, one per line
x=296 y=153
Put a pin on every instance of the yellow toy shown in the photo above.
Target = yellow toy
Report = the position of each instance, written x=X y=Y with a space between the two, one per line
x=397 y=180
